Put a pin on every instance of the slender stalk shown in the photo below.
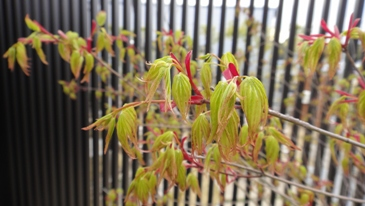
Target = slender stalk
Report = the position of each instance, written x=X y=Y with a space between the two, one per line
x=314 y=128
x=352 y=62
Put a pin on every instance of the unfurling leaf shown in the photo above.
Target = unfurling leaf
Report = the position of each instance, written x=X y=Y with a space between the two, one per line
x=221 y=107
x=100 y=42
x=282 y=138
x=89 y=65
x=272 y=149
x=181 y=178
x=361 y=105
x=162 y=141
x=101 y=18
x=76 y=63
x=345 y=165
x=31 y=24
x=228 y=141
x=333 y=51
x=64 y=51
x=181 y=93
x=111 y=127
x=22 y=58
x=339 y=108
x=127 y=129
x=243 y=139
x=313 y=55
x=206 y=78
x=254 y=103
x=200 y=132
x=193 y=183
x=11 y=55
x=37 y=44
x=213 y=154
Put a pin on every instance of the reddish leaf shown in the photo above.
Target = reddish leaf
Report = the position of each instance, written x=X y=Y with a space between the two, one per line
x=361 y=82
x=325 y=27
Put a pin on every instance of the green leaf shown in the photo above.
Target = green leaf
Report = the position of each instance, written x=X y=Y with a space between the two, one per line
x=206 y=78
x=221 y=107
x=281 y=138
x=101 y=18
x=200 y=131
x=333 y=51
x=22 y=58
x=111 y=127
x=31 y=24
x=76 y=63
x=11 y=55
x=127 y=129
x=181 y=93
x=193 y=183
x=314 y=54
x=361 y=105
x=162 y=141
x=257 y=146
x=100 y=42
x=64 y=51
x=254 y=103
x=272 y=149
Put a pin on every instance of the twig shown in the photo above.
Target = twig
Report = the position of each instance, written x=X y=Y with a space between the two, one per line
x=314 y=128
x=352 y=62
x=314 y=190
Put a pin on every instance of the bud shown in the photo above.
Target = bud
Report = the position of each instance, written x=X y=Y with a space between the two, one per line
x=181 y=93
x=228 y=58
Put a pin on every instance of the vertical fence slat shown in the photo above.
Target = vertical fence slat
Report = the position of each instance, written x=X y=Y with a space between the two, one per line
x=172 y=15
x=275 y=53
x=287 y=76
x=95 y=114
x=10 y=194
x=115 y=84
x=221 y=37
x=209 y=27
x=260 y=62
x=248 y=41
x=235 y=26
x=196 y=30
x=59 y=102
x=184 y=17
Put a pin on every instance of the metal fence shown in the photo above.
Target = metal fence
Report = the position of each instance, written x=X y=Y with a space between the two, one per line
x=49 y=160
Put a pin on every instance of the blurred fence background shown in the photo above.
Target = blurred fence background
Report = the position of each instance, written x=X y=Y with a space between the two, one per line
x=49 y=160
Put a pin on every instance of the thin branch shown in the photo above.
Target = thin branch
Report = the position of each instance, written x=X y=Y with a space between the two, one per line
x=264 y=174
x=314 y=128
x=352 y=62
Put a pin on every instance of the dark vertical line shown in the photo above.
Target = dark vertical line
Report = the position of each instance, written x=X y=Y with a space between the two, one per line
x=307 y=30
x=69 y=153
x=5 y=39
x=341 y=14
x=275 y=53
x=172 y=14
x=85 y=110
x=23 y=114
x=292 y=36
x=184 y=17
x=262 y=40
x=148 y=35
x=248 y=41
x=209 y=28
x=160 y=11
x=196 y=30
x=104 y=99
x=126 y=69
x=115 y=84
x=18 y=195
x=77 y=109
x=221 y=37
x=45 y=17
x=60 y=133
x=95 y=114
x=236 y=26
